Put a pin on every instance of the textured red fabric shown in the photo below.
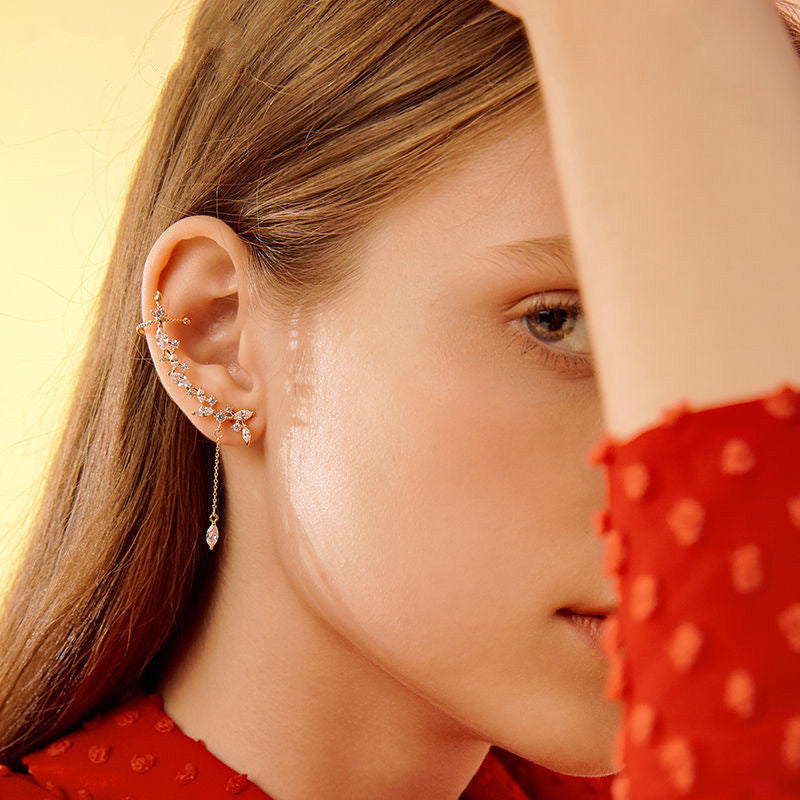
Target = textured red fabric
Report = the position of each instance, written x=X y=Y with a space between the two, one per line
x=702 y=536
x=701 y=533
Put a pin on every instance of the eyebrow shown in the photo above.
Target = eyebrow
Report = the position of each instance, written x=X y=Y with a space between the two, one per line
x=546 y=254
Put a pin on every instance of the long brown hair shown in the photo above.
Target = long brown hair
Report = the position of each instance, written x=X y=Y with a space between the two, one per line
x=296 y=122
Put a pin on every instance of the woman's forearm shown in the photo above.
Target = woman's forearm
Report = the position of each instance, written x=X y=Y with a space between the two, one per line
x=676 y=132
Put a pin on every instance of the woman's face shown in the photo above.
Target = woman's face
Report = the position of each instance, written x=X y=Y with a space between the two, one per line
x=426 y=477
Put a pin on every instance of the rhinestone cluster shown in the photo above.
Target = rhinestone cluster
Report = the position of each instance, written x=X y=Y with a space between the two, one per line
x=168 y=346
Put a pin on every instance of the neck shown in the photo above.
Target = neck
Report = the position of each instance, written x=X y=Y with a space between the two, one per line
x=277 y=693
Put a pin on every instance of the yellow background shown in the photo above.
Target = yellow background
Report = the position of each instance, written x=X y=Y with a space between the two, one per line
x=79 y=80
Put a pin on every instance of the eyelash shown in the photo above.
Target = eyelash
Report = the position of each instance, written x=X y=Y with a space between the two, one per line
x=552 y=358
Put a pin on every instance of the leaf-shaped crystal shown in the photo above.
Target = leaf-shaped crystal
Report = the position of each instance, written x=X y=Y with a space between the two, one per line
x=243 y=414
x=212 y=535
x=237 y=426
x=246 y=434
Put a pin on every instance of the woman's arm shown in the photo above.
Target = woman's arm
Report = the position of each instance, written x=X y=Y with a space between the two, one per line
x=675 y=128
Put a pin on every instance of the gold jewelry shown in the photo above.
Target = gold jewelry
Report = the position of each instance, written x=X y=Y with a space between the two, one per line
x=239 y=418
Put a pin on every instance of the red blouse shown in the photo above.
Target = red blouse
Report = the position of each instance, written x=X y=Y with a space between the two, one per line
x=701 y=534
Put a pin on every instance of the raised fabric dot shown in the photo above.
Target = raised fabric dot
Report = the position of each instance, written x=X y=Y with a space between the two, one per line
x=143 y=763
x=4 y=770
x=613 y=552
x=609 y=635
x=616 y=678
x=685 y=519
x=782 y=404
x=157 y=699
x=164 y=725
x=684 y=647
x=84 y=794
x=59 y=747
x=620 y=787
x=98 y=753
x=237 y=783
x=642 y=723
x=55 y=790
x=670 y=415
x=618 y=749
x=635 y=480
x=92 y=723
x=126 y=718
x=603 y=451
x=737 y=457
x=790 y=747
x=601 y=520
x=740 y=693
x=186 y=774
x=789 y=622
x=793 y=506
x=643 y=596
x=677 y=760
x=747 y=573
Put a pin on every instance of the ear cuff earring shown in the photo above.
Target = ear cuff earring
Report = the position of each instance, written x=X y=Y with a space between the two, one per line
x=206 y=409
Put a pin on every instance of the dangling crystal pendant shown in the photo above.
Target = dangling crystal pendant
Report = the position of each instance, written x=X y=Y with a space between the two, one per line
x=212 y=535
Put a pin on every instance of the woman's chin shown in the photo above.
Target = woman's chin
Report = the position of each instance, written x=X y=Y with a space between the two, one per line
x=565 y=765
x=579 y=744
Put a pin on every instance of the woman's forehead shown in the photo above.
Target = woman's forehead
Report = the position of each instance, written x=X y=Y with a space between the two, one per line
x=501 y=203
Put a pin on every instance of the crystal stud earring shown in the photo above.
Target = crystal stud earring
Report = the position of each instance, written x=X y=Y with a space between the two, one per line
x=178 y=368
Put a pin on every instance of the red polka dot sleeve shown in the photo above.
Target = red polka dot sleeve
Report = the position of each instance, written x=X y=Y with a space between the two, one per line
x=702 y=537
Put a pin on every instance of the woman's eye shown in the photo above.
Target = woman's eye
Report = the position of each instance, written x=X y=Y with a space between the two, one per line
x=555 y=326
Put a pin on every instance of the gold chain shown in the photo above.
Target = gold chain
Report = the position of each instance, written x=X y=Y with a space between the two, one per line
x=214 y=517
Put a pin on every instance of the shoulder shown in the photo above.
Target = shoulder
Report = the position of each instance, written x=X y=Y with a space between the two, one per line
x=20 y=786
x=110 y=749
x=134 y=748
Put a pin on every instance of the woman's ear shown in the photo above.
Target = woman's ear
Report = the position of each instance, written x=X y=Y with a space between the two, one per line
x=198 y=266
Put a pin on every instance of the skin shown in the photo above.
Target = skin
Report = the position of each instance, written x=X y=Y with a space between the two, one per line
x=412 y=511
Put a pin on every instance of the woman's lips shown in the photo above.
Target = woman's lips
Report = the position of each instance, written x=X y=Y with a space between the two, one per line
x=589 y=626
